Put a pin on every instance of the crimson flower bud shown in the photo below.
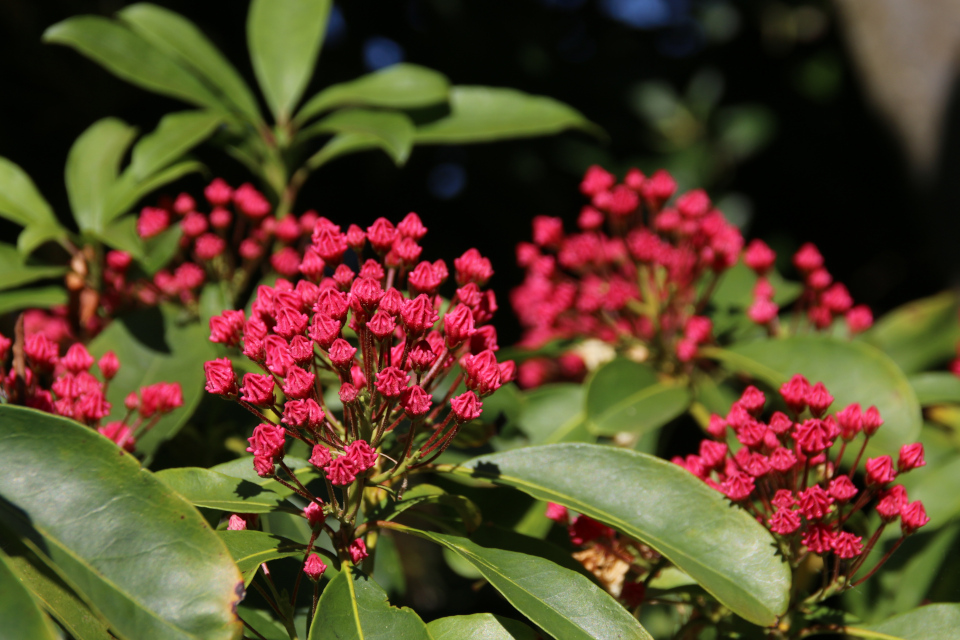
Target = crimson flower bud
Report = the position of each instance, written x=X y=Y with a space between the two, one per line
x=119 y=260
x=220 y=218
x=794 y=392
x=752 y=400
x=218 y=192
x=220 y=377
x=348 y=393
x=759 y=257
x=585 y=529
x=152 y=222
x=257 y=389
x=547 y=231
x=763 y=311
x=425 y=278
x=717 y=428
x=418 y=315
x=842 y=488
x=263 y=465
x=132 y=401
x=814 y=502
x=367 y=292
x=859 y=318
x=847 y=545
x=415 y=401
x=209 y=246
x=557 y=513
x=288 y=229
x=320 y=457
x=341 y=472
x=77 y=359
x=357 y=550
x=912 y=517
x=405 y=253
x=391 y=382
x=412 y=227
x=782 y=459
x=329 y=242
x=738 y=486
x=391 y=302
x=108 y=363
x=482 y=372
x=871 y=421
x=472 y=267
x=818 y=399
x=314 y=567
x=819 y=280
x=880 y=471
x=313 y=513
x=250 y=249
x=382 y=325
x=694 y=204
x=303 y=413
x=891 y=501
x=658 y=188
x=780 y=423
x=466 y=407
x=41 y=351
x=458 y=326
x=808 y=258
x=508 y=371
x=278 y=358
x=851 y=421
x=298 y=383
x=194 y=224
x=595 y=180
x=356 y=238
x=819 y=538
x=267 y=440
x=341 y=354
x=381 y=235
x=911 y=457
x=421 y=356
x=236 y=523
x=312 y=265
x=361 y=455
x=324 y=330
x=784 y=521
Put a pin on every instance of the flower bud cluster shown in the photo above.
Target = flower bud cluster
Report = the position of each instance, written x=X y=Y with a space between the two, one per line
x=64 y=385
x=640 y=273
x=380 y=339
x=787 y=471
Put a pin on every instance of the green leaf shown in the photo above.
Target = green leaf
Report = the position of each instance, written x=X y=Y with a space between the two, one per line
x=399 y=86
x=563 y=603
x=284 y=40
x=936 y=387
x=153 y=346
x=142 y=555
x=122 y=234
x=480 y=626
x=178 y=37
x=919 y=334
x=547 y=409
x=733 y=556
x=623 y=395
x=93 y=165
x=432 y=494
x=176 y=134
x=131 y=57
x=483 y=114
x=250 y=549
x=39 y=298
x=127 y=192
x=851 y=371
x=930 y=622
x=36 y=234
x=393 y=130
x=20 y=201
x=159 y=250
x=354 y=607
x=54 y=594
x=206 y=488
x=13 y=271
x=20 y=614
x=346 y=143
x=927 y=484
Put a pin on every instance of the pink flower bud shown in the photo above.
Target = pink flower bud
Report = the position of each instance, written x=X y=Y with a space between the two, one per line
x=348 y=393
x=251 y=249
x=391 y=382
x=482 y=372
x=794 y=393
x=298 y=383
x=763 y=311
x=759 y=257
x=782 y=459
x=738 y=486
x=784 y=521
x=472 y=267
x=458 y=326
x=415 y=401
x=286 y=262
x=818 y=538
x=306 y=414
x=847 y=545
x=341 y=472
x=220 y=377
x=425 y=278
x=220 y=218
x=312 y=265
x=218 y=192
x=381 y=235
x=658 y=188
x=808 y=258
x=837 y=298
x=152 y=222
x=209 y=246
x=412 y=227
x=880 y=471
x=912 y=517
x=251 y=202
x=357 y=550
x=850 y=420
x=466 y=407
x=911 y=457
x=585 y=529
x=752 y=400
x=418 y=315
x=313 y=512
x=236 y=523
x=320 y=457
x=717 y=427
x=194 y=224
x=118 y=260
x=344 y=277
x=842 y=488
x=818 y=399
x=557 y=513
x=362 y=456
x=288 y=229
x=329 y=242
x=257 y=389
x=859 y=319
x=77 y=359
x=267 y=440
x=382 y=325
x=595 y=180
x=871 y=421
x=421 y=356
x=814 y=502
x=356 y=238
x=547 y=231
x=313 y=568
x=694 y=204
x=341 y=354
x=263 y=465
x=41 y=351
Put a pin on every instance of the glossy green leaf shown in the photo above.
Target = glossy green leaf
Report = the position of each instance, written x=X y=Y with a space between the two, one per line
x=155 y=345
x=250 y=549
x=14 y=272
x=20 y=614
x=354 y=607
x=399 y=86
x=176 y=134
x=206 y=488
x=93 y=166
x=483 y=114
x=563 y=603
x=919 y=334
x=927 y=484
x=142 y=555
x=284 y=40
x=39 y=298
x=936 y=387
x=721 y=546
x=242 y=468
x=930 y=622
x=159 y=250
x=851 y=371
x=549 y=410
x=36 y=234
x=264 y=622
x=127 y=191
x=623 y=395
x=130 y=57
x=394 y=129
x=177 y=36
x=20 y=201
x=122 y=234
x=56 y=597
x=431 y=494
x=480 y=626
x=346 y=143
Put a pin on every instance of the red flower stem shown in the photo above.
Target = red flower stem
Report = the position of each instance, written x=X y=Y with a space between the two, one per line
x=866 y=551
x=883 y=560
x=856 y=462
x=296 y=584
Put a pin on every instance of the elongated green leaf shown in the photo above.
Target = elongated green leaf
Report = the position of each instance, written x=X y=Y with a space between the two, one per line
x=623 y=395
x=346 y=143
x=205 y=488
x=160 y=250
x=936 y=387
x=432 y=494
x=399 y=86
x=919 y=334
x=175 y=35
x=39 y=298
x=127 y=191
x=130 y=57
x=354 y=607
x=250 y=549
x=55 y=595
x=20 y=614
x=851 y=371
x=122 y=234
x=176 y=134
x=480 y=626
x=930 y=622
x=720 y=546
x=482 y=114
x=393 y=128
x=284 y=40
x=145 y=558
x=13 y=271
x=36 y=234
x=92 y=169
x=155 y=346
x=561 y=602
x=546 y=409
x=20 y=201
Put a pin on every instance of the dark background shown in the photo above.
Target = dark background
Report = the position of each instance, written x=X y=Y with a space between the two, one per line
x=831 y=172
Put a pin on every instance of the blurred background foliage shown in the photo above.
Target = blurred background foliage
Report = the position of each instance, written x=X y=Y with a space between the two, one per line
x=759 y=101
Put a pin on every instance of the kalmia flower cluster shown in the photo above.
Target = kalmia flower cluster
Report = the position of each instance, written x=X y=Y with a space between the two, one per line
x=789 y=472
x=64 y=385
x=639 y=274
x=384 y=339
